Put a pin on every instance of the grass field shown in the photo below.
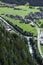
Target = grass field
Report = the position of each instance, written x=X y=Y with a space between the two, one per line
x=42 y=48
x=25 y=10
x=25 y=27
x=39 y=22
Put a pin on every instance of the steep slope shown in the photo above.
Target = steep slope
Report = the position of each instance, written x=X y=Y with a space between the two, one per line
x=13 y=49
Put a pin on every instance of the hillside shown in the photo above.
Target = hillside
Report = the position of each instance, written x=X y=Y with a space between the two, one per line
x=13 y=49
x=21 y=2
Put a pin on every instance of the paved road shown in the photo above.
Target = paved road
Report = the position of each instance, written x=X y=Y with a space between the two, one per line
x=9 y=28
x=38 y=40
x=38 y=37
x=30 y=47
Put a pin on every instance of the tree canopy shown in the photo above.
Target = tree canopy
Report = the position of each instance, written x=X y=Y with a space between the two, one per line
x=14 y=49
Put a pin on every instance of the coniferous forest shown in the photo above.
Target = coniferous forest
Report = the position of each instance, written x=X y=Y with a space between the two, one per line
x=13 y=49
x=22 y=2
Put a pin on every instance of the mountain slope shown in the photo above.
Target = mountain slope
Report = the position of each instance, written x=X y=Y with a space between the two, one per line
x=21 y=2
x=13 y=49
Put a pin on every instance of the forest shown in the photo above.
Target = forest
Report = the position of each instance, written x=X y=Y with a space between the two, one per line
x=22 y=2
x=14 y=50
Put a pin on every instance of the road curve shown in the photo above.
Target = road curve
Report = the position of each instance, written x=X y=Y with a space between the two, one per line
x=38 y=40
x=27 y=37
x=38 y=37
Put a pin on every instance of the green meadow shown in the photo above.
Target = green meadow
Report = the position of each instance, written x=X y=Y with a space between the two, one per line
x=42 y=48
x=24 y=10
x=25 y=27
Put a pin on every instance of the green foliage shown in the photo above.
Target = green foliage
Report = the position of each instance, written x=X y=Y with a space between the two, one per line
x=13 y=49
x=37 y=55
x=24 y=10
x=41 y=46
